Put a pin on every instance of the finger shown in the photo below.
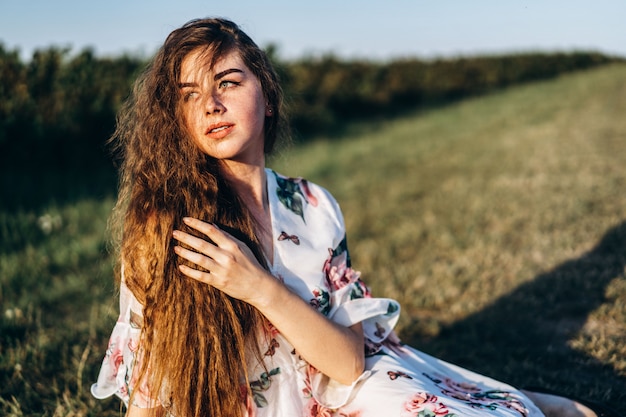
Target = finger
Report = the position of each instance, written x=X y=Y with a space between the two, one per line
x=197 y=224
x=204 y=277
x=196 y=243
x=195 y=258
x=220 y=237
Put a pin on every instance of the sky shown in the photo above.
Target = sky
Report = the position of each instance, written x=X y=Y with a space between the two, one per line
x=380 y=29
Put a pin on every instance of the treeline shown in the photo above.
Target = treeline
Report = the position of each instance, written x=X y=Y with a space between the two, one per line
x=58 y=108
x=56 y=112
x=326 y=92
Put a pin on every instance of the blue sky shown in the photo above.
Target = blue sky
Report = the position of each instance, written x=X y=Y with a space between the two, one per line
x=379 y=29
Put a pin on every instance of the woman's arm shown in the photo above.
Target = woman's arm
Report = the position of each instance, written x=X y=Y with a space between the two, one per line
x=333 y=349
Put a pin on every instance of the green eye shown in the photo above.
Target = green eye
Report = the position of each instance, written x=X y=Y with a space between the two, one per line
x=190 y=96
x=228 y=83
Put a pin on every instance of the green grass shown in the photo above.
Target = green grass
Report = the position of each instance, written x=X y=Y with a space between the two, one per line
x=57 y=306
x=499 y=223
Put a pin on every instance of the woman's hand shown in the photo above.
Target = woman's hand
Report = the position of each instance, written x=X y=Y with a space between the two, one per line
x=232 y=268
x=229 y=265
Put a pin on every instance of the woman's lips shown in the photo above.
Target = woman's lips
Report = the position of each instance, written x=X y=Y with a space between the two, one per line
x=219 y=130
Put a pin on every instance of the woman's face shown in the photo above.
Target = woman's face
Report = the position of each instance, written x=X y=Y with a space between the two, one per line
x=224 y=107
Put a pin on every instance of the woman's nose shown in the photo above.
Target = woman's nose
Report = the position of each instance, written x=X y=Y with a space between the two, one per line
x=213 y=104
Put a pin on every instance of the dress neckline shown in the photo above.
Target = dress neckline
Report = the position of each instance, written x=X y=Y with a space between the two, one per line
x=270 y=189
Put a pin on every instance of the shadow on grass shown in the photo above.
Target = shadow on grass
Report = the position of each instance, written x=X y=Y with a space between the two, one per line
x=524 y=337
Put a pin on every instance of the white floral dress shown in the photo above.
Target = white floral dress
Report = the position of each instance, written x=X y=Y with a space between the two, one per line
x=311 y=257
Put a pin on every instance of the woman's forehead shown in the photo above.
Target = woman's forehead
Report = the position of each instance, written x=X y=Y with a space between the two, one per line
x=202 y=61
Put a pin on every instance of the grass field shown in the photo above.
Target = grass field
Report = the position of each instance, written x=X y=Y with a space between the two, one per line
x=499 y=223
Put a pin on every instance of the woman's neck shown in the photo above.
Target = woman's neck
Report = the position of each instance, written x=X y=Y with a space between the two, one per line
x=250 y=184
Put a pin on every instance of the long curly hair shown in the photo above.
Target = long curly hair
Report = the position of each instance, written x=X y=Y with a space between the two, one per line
x=196 y=342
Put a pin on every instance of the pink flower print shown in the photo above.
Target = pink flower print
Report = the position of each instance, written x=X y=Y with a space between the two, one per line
x=142 y=392
x=356 y=413
x=306 y=392
x=270 y=331
x=293 y=192
x=465 y=387
x=421 y=401
x=321 y=302
x=416 y=402
x=304 y=186
x=476 y=397
x=123 y=391
x=133 y=345
x=310 y=371
x=141 y=387
x=314 y=409
x=440 y=410
x=338 y=273
x=116 y=357
x=517 y=405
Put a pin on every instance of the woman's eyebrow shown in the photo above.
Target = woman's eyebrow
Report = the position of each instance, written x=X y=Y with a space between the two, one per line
x=215 y=78
x=225 y=73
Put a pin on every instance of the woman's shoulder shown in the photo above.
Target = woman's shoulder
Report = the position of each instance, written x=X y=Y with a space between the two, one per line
x=299 y=188
x=304 y=198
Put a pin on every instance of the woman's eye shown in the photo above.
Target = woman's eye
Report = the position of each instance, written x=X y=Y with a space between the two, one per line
x=191 y=95
x=228 y=83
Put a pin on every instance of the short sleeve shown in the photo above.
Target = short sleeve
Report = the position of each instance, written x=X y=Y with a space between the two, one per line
x=377 y=315
x=351 y=301
x=117 y=374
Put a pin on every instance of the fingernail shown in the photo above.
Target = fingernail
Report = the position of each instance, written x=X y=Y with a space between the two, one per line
x=176 y=234
x=186 y=219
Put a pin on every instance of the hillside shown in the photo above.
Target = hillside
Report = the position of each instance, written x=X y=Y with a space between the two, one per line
x=498 y=222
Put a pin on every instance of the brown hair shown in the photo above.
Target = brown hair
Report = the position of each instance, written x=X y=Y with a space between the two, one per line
x=196 y=341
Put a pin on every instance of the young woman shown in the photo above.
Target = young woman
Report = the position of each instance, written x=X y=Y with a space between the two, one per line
x=237 y=295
